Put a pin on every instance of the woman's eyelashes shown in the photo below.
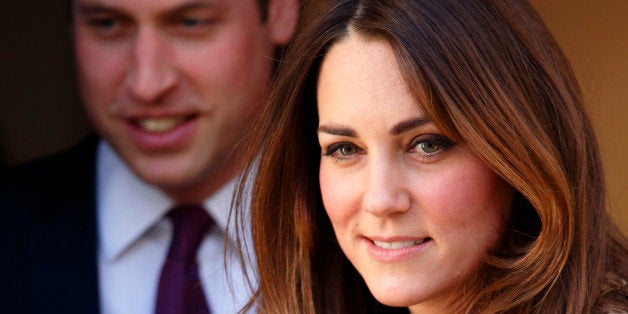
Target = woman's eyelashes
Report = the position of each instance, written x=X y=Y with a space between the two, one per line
x=430 y=145
x=342 y=151
x=427 y=147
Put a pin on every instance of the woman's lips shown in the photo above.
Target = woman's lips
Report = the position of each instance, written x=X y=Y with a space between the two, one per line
x=398 y=244
x=384 y=250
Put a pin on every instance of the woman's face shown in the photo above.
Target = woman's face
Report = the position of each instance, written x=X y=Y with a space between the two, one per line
x=414 y=212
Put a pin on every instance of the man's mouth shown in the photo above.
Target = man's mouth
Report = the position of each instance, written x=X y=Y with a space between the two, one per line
x=162 y=124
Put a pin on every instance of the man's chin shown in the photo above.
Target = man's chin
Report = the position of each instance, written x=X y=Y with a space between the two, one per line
x=180 y=188
x=167 y=179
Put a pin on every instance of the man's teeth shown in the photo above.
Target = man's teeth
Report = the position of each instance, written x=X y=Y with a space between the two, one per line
x=160 y=124
x=397 y=244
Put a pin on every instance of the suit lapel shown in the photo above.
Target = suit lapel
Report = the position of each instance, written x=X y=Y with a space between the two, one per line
x=62 y=237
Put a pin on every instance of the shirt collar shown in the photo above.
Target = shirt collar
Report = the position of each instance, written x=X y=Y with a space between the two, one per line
x=218 y=204
x=128 y=207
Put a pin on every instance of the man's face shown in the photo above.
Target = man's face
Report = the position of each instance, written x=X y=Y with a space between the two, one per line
x=173 y=84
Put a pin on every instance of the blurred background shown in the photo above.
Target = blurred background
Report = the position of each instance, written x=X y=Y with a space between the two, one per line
x=594 y=36
x=40 y=112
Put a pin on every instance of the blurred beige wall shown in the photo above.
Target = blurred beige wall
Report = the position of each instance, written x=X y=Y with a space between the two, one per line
x=594 y=36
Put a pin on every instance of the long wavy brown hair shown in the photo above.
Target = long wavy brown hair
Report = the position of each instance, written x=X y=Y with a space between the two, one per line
x=497 y=81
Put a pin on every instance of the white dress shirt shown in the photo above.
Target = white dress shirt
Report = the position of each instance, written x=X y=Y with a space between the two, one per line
x=134 y=237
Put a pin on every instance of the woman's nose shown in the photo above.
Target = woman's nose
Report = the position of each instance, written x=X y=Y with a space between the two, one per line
x=386 y=192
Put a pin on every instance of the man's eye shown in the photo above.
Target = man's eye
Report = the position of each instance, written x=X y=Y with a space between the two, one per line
x=191 y=22
x=193 y=25
x=107 y=26
x=103 y=23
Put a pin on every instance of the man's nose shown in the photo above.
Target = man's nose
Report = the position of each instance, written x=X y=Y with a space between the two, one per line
x=386 y=192
x=151 y=74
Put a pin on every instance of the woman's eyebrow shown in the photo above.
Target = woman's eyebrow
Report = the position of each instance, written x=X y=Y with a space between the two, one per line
x=407 y=125
x=336 y=130
x=397 y=129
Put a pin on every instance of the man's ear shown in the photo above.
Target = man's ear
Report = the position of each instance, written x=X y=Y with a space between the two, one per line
x=283 y=16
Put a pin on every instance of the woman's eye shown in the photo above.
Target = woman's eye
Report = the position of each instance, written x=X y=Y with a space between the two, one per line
x=431 y=145
x=347 y=150
x=342 y=151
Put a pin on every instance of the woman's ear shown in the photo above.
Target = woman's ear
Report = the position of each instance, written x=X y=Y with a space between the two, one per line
x=283 y=16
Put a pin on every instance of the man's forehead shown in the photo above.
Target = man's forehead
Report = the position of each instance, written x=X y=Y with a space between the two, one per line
x=152 y=2
x=148 y=6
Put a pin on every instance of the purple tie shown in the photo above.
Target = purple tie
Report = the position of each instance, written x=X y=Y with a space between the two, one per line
x=180 y=290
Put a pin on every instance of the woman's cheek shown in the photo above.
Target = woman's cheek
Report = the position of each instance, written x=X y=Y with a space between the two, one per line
x=338 y=194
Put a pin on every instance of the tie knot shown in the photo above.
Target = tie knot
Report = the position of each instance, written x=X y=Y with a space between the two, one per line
x=190 y=224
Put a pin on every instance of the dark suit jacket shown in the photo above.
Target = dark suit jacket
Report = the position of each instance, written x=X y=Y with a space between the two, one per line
x=48 y=234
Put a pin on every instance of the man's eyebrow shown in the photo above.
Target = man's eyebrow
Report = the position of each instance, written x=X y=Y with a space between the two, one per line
x=408 y=125
x=193 y=5
x=336 y=130
x=95 y=8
